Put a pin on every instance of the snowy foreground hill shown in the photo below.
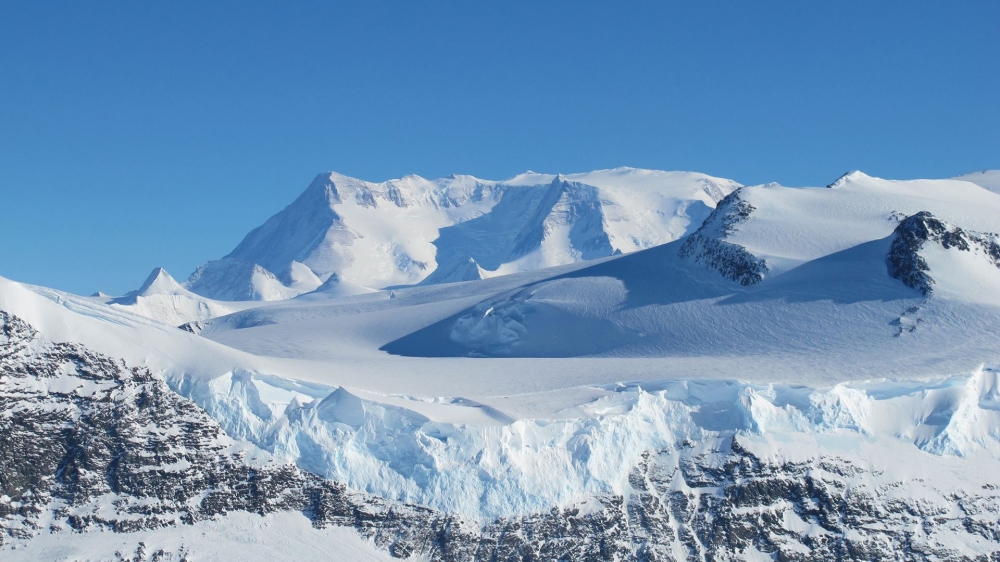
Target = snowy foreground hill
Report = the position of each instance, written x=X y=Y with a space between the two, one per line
x=783 y=374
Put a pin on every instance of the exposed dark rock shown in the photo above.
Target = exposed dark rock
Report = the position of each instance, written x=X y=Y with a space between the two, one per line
x=708 y=246
x=195 y=327
x=905 y=262
x=80 y=432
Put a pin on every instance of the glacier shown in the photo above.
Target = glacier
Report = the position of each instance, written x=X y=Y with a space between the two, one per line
x=509 y=468
x=576 y=397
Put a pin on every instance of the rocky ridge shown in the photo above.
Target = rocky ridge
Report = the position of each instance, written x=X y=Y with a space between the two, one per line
x=914 y=232
x=708 y=246
x=399 y=232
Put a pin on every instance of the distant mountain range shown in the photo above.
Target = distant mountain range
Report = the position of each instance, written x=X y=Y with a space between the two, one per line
x=413 y=230
x=345 y=236
x=622 y=365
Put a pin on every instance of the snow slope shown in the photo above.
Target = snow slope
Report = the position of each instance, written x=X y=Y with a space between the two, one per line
x=402 y=231
x=281 y=537
x=232 y=279
x=848 y=333
x=476 y=459
x=116 y=331
x=825 y=326
x=796 y=275
x=987 y=179
x=163 y=299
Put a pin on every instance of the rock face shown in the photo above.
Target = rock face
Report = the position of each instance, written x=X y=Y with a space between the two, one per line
x=708 y=246
x=100 y=444
x=88 y=443
x=914 y=232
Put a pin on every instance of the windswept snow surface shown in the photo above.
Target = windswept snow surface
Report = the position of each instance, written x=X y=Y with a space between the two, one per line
x=459 y=228
x=163 y=299
x=987 y=179
x=557 y=350
x=795 y=275
x=514 y=394
x=279 y=537
x=233 y=279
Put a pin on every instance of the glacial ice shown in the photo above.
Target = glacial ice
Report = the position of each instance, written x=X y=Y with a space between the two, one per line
x=528 y=465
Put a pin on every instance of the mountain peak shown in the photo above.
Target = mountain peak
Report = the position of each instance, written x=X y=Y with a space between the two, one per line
x=322 y=188
x=908 y=263
x=233 y=279
x=456 y=270
x=398 y=232
x=334 y=286
x=851 y=176
x=159 y=282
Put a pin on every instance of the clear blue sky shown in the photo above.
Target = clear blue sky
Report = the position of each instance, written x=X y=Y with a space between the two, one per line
x=142 y=134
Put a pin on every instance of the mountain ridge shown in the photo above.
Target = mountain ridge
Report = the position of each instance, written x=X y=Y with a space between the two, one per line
x=399 y=231
x=648 y=405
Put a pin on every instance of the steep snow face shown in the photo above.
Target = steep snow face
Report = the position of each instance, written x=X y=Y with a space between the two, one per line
x=369 y=234
x=795 y=275
x=233 y=279
x=401 y=231
x=163 y=299
x=987 y=179
x=531 y=228
x=469 y=456
x=405 y=449
x=709 y=247
x=456 y=270
x=646 y=208
x=965 y=264
x=160 y=282
x=783 y=228
x=102 y=459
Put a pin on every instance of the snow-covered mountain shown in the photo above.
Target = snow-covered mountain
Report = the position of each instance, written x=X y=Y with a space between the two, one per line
x=186 y=457
x=987 y=179
x=779 y=272
x=412 y=230
x=163 y=299
x=802 y=374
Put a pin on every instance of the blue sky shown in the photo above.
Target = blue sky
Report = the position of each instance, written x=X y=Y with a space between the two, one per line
x=136 y=135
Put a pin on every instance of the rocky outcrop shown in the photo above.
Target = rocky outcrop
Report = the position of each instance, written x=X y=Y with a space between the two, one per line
x=708 y=246
x=87 y=442
x=914 y=232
